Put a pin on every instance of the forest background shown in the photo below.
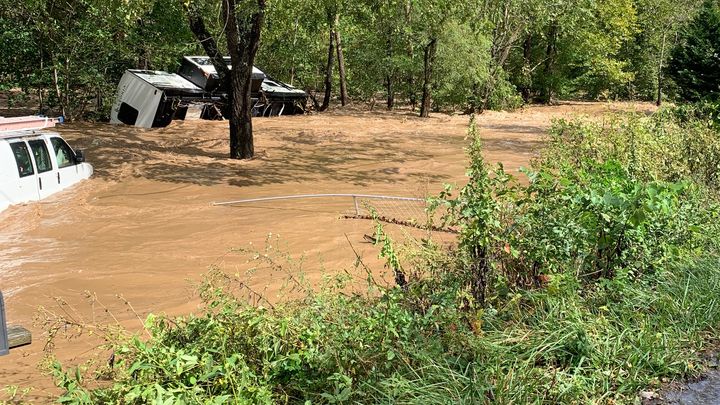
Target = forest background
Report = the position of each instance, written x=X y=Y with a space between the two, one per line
x=467 y=56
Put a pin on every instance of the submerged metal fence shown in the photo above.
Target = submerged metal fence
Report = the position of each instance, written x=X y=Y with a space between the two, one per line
x=403 y=209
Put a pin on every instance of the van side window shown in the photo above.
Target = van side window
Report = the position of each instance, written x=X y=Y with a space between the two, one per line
x=42 y=157
x=63 y=154
x=22 y=158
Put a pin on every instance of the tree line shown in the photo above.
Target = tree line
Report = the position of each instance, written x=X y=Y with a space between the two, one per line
x=429 y=54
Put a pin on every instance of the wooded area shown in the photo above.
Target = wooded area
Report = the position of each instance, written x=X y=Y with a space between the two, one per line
x=465 y=56
x=476 y=55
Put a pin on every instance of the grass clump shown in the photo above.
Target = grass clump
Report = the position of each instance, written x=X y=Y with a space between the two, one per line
x=595 y=280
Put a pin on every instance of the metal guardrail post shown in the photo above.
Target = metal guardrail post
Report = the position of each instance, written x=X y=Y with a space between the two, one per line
x=4 y=344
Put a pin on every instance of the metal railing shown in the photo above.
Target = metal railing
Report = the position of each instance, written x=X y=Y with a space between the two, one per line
x=356 y=198
x=405 y=211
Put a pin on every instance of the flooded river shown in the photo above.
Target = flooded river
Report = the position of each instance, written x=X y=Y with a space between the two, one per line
x=144 y=227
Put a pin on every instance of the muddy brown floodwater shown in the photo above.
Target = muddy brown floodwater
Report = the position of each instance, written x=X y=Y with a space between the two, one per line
x=143 y=226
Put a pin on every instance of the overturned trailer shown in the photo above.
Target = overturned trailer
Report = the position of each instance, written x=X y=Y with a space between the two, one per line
x=151 y=99
x=147 y=98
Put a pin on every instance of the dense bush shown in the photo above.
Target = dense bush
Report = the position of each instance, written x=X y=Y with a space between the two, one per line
x=621 y=198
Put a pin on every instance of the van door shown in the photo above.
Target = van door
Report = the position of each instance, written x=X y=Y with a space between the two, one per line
x=27 y=186
x=46 y=176
x=68 y=170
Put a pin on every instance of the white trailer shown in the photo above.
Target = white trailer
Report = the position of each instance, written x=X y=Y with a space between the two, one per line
x=148 y=98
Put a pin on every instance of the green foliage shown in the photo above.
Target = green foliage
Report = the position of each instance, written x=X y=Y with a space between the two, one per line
x=70 y=55
x=504 y=95
x=625 y=199
x=477 y=213
x=695 y=65
x=548 y=345
x=647 y=53
x=605 y=73
x=462 y=65
x=475 y=209
x=658 y=180
x=700 y=114
x=674 y=144
x=596 y=222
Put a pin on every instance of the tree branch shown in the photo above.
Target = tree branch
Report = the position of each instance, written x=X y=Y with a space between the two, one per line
x=198 y=28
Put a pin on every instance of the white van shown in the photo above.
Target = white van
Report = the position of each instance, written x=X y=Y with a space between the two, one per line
x=35 y=164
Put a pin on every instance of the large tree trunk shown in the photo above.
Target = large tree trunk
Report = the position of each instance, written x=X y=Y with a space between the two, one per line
x=67 y=89
x=58 y=92
x=328 y=73
x=526 y=69
x=41 y=100
x=292 y=60
x=243 y=38
x=389 y=76
x=341 y=63
x=412 y=98
x=390 y=92
x=505 y=35
x=550 y=55
x=426 y=102
x=206 y=40
x=143 y=61
x=241 y=135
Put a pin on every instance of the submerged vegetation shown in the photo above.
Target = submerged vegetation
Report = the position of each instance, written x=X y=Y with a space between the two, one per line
x=594 y=279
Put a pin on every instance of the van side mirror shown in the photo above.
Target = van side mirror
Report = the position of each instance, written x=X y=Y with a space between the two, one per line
x=79 y=156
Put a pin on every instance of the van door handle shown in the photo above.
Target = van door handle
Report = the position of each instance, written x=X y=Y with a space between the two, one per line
x=58 y=177
x=40 y=181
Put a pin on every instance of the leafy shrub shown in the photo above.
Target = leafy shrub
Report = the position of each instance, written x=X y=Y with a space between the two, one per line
x=504 y=95
x=700 y=113
x=583 y=211
x=598 y=221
